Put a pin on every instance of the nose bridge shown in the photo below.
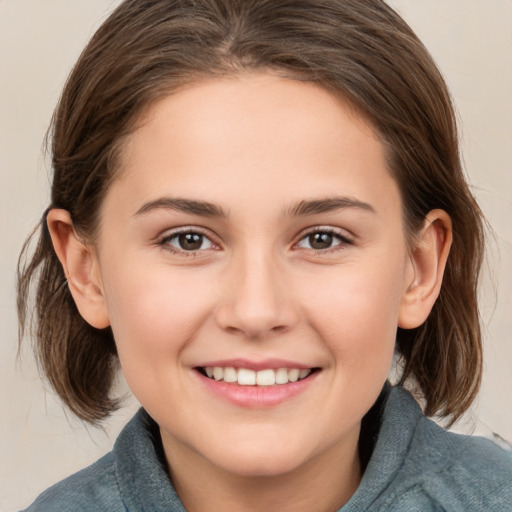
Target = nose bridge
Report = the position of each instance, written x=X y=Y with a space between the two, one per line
x=258 y=302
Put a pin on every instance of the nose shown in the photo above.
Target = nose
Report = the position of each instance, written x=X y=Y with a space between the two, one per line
x=257 y=303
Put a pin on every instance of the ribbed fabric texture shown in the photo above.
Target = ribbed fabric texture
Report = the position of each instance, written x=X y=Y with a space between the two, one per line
x=415 y=466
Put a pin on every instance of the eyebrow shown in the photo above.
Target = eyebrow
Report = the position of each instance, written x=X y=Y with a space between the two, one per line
x=207 y=209
x=314 y=207
x=190 y=206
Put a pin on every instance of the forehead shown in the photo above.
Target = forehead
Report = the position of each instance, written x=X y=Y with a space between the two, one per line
x=233 y=136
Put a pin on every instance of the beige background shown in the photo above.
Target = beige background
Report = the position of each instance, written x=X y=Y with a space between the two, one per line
x=39 y=41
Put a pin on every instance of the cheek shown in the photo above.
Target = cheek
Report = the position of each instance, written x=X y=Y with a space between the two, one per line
x=357 y=313
x=153 y=314
x=153 y=322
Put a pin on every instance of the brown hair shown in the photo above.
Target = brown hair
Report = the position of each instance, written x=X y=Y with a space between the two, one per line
x=360 y=49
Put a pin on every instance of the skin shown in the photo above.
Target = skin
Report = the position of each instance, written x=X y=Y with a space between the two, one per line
x=255 y=146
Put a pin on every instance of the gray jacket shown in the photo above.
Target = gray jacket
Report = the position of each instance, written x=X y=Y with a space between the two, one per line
x=415 y=466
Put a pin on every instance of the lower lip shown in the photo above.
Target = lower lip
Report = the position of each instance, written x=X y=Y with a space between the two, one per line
x=257 y=397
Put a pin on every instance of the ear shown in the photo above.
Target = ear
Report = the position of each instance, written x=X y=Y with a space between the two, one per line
x=427 y=262
x=81 y=267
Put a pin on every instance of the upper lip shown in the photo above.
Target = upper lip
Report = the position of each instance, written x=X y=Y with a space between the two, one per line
x=265 y=364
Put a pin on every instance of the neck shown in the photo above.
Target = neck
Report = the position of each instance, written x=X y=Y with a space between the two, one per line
x=322 y=484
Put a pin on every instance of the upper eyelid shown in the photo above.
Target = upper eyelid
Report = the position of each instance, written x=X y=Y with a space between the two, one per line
x=342 y=233
x=171 y=233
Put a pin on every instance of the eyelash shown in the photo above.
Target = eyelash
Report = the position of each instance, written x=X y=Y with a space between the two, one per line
x=343 y=239
x=165 y=240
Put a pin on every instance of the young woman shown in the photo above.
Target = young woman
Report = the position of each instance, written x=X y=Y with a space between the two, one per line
x=256 y=206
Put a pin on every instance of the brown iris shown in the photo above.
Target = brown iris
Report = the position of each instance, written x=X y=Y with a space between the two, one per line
x=190 y=241
x=320 y=240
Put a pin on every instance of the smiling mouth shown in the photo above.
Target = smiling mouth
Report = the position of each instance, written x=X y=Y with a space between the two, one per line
x=246 y=377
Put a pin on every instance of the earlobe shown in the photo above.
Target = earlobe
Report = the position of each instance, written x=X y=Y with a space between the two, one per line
x=428 y=262
x=80 y=264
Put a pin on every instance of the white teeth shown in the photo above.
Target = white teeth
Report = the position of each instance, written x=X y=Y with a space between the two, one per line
x=282 y=376
x=293 y=375
x=304 y=373
x=246 y=377
x=266 y=378
x=230 y=375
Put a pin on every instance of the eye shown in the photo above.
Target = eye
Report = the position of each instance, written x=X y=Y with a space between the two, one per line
x=323 y=239
x=187 y=241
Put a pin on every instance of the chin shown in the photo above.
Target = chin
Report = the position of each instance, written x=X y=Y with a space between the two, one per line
x=262 y=466
x=261 y=460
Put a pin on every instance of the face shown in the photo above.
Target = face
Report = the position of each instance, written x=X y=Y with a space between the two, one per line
x=253 y=263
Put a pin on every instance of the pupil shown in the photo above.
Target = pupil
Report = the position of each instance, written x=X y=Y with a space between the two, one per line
x=320 y=240
x=190 y=241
